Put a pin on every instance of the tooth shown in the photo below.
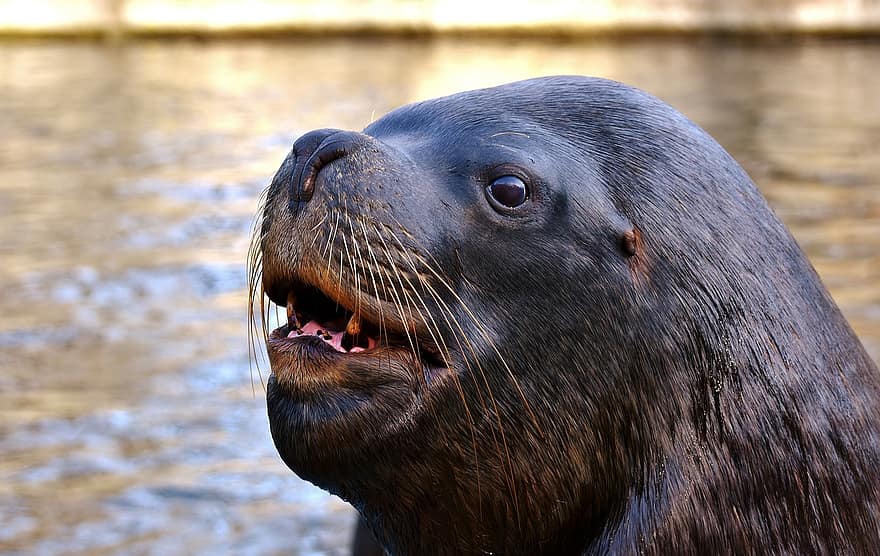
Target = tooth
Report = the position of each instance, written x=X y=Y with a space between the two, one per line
x=354 y=325
x=291 y=314
x=292 y=321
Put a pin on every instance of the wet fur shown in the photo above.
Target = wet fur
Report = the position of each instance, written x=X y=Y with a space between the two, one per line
x=651 y=363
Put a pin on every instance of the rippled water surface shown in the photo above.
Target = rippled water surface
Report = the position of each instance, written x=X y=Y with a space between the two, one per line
x=129 y=419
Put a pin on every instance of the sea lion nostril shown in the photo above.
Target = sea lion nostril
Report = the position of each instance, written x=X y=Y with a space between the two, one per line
x=315 y=150
x=303 y=149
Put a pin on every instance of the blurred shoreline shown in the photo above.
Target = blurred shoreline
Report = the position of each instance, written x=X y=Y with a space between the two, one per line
x=116 y=19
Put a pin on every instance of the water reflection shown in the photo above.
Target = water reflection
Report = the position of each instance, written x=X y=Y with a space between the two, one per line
x=128 y=178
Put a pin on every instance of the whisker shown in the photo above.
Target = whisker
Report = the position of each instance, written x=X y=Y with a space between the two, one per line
x=339 y=274
x=447 y=357
x=399 y=306
x=331 y=239
x=255 y=286
x=485 y=335
x=382 y=328
x=355 y=272
x=347 y=253
x=314 y=235
x=431 y=326
x=318 y=225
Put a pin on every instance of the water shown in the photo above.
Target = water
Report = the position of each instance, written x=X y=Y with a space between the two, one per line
x=129 y=421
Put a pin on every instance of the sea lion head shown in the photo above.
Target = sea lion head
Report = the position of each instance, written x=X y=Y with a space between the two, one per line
x=522 y=301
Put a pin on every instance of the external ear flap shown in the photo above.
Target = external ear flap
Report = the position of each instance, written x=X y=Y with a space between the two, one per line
x=631 y=242
x=633 y=246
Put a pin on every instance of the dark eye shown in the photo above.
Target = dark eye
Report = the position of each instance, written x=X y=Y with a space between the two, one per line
x=508 y=191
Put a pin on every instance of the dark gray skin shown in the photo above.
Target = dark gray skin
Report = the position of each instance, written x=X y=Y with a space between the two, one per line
x=637 y=358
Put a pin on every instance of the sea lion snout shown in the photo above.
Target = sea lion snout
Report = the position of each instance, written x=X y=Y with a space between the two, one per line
x=317 y=149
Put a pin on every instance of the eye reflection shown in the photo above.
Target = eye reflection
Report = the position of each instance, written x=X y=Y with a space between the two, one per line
x=509 y=191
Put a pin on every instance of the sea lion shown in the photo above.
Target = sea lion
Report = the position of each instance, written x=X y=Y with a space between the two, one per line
x=556 y=317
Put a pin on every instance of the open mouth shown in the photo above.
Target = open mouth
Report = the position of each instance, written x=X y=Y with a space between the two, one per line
x=346 y=371
x=311 y=313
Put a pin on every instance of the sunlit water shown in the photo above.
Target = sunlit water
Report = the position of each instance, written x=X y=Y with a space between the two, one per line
x=129 y=420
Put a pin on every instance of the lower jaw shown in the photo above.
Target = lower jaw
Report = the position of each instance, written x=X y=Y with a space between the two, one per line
x=307 y=367
x=316 y=429
x=322 y=389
